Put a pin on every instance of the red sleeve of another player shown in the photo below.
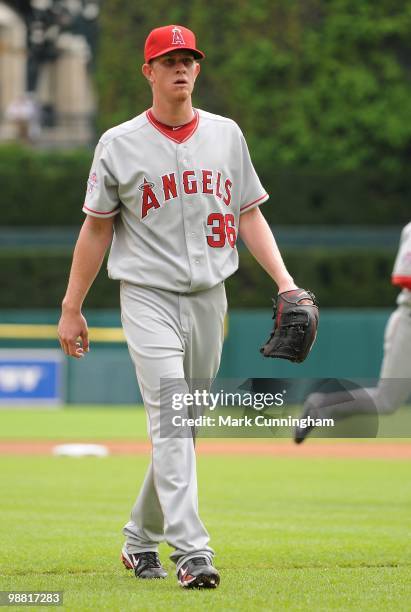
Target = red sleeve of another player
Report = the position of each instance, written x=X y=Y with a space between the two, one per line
x=402 y=281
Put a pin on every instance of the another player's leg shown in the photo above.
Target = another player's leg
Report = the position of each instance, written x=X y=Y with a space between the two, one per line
x=336 y=406
x=394 y=385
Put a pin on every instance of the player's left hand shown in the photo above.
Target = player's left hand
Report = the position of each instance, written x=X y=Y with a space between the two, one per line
x=295 y=315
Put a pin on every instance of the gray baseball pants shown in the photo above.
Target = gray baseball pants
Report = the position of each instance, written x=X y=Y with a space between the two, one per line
x=170 y=336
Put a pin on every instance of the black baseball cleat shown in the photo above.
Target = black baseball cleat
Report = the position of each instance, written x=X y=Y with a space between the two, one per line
x=300 y=433
x=198 y=573
x=145 y=564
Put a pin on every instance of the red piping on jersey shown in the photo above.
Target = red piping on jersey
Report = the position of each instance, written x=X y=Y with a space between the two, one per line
x=402 y=281
x=157 y=125
x=255 y=202
x=97 y=212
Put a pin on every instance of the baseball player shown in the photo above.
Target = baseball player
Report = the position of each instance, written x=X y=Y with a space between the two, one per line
x=394 y=385
x=170 y=191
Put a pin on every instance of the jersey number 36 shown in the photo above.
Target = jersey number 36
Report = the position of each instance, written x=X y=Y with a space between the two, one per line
x=222 y=230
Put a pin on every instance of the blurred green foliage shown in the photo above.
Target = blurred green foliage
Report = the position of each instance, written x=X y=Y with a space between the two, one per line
x=339 y=277
x=42 y=188
x=323 y=83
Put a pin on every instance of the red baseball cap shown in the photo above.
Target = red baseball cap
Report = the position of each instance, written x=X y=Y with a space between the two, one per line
x=170 y=38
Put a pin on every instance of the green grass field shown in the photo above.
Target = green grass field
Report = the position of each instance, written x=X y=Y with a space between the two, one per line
x=290 y=534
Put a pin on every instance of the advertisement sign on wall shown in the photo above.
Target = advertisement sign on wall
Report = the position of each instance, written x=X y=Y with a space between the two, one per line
x=31 y=376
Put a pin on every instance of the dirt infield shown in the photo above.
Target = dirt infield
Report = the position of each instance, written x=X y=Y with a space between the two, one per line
x=312 y=449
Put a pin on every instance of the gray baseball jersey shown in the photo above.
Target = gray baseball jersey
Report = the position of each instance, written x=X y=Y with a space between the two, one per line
x=177 y=204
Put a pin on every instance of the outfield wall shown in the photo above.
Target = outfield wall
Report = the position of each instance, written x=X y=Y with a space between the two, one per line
x=349 y=345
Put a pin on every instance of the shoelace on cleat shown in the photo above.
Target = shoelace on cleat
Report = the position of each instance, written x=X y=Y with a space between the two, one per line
x=199 y=561
x=150 y=558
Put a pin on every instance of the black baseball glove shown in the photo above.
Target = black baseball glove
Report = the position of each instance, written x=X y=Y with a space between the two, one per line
x=295 y=326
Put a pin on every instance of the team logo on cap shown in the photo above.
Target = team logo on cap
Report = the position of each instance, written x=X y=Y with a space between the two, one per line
x=177 y=37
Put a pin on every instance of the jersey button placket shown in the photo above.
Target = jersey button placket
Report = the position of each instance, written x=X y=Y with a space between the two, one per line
x=192 y=215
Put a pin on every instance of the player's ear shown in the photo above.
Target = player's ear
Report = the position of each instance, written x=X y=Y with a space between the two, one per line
x=147 y=71
x=197 y=69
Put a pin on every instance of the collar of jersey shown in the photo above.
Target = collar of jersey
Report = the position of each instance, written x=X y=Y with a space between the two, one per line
x=184 y=131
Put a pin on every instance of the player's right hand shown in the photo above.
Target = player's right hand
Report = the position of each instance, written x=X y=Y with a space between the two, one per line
x=73 y=334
